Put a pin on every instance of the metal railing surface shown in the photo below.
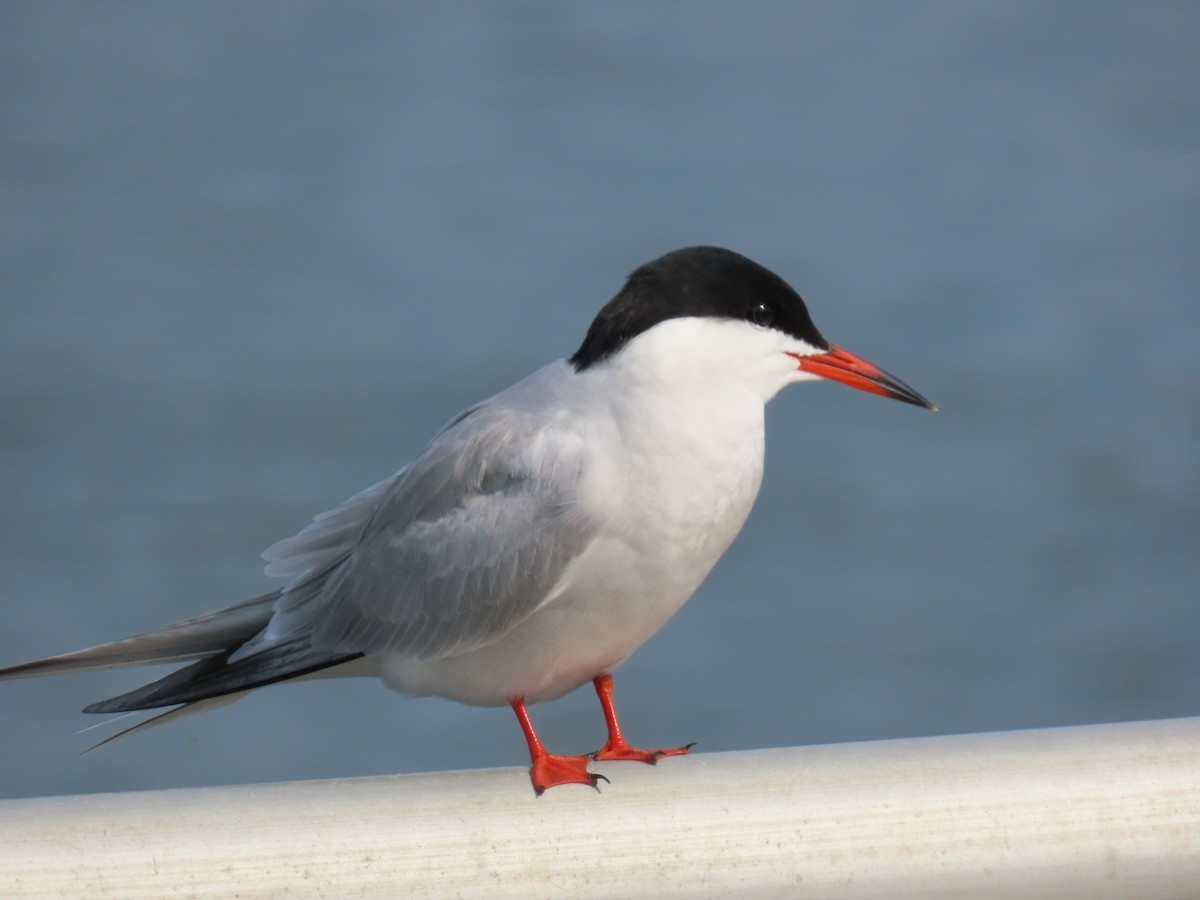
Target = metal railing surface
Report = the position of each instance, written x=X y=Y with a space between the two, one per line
x=1094 y=811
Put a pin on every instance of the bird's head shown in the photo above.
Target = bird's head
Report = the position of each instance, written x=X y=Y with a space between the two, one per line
x=715 y=309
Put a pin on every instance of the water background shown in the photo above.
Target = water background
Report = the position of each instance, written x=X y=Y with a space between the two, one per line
x=253 y=255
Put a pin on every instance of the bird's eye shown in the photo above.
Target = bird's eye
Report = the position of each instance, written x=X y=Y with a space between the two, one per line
x=762 y=314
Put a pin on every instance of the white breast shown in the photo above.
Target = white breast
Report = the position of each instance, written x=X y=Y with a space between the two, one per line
x=674 y=465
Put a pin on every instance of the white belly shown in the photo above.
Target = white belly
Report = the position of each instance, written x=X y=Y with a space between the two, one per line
x=615 y=600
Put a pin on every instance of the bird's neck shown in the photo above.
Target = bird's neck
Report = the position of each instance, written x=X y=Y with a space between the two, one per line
x=689 y=460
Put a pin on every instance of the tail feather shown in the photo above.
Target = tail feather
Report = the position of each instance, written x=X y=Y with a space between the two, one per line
x=216 y=676
x=204 y=635
x=162 y=718
x=212 y=679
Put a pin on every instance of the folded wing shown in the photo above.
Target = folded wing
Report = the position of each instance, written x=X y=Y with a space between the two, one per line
x=446 y=556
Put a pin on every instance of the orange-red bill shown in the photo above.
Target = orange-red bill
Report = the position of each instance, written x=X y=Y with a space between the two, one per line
x=842 y=365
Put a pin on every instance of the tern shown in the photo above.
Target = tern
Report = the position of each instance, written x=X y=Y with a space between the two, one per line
x=543 y=535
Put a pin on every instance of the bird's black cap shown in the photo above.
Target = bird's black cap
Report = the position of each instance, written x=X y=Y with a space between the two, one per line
x=695 y=282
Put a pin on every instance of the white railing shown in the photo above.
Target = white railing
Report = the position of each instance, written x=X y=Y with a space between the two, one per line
x=1096 y=811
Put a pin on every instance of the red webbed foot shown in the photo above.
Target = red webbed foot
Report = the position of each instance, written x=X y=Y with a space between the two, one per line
x=616 y=747
x=551 y=771
x=624 y=752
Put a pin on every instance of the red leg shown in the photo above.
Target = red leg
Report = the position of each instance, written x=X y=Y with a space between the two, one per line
x=617 y=748
x=547 y=770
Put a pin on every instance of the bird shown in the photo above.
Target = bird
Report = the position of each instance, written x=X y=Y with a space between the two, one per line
x=542 y=536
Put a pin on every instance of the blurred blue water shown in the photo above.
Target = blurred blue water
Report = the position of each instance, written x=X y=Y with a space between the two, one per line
x=251 y=257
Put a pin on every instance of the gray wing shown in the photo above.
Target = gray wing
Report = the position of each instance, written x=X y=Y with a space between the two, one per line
x=446 y=556
x=331 y=535
x=328 y=539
